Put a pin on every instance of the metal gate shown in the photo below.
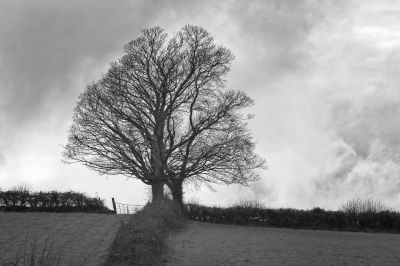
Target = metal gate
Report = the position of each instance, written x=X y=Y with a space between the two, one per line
x=123 y=208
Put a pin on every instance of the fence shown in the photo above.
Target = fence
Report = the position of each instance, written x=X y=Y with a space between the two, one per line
x=122 y=208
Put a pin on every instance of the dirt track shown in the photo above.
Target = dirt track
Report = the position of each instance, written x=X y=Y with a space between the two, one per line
x=81 y=239
x=214 y=244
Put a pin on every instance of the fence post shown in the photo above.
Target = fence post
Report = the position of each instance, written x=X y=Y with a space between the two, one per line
x=114 y=207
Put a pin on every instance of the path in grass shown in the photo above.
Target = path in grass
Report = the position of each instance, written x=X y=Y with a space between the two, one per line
x=81 y=239
x=215 y=244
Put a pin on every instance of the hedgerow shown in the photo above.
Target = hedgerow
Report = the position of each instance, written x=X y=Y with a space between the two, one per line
x=22 y=199
x=317 y=218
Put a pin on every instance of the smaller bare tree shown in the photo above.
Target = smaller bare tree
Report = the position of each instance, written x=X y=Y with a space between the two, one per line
x=217 y=147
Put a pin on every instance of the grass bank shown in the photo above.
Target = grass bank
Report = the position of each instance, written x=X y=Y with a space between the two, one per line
x=142 y=240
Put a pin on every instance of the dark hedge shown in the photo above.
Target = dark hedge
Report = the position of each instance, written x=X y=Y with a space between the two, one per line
x=50 y=201
x=317 y=218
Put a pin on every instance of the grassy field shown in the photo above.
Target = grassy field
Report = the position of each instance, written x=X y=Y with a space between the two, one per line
x=78 y=238
x=91 y=239
x=216 y=244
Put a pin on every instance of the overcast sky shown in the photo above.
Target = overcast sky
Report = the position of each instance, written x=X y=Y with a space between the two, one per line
x=325 y=77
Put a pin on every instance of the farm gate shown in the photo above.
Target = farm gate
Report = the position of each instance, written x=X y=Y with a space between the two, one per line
x=123 y=208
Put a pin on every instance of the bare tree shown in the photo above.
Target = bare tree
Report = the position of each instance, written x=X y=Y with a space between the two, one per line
x=161 y=115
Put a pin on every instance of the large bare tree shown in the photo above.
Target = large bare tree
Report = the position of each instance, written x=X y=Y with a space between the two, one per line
x=161 y=115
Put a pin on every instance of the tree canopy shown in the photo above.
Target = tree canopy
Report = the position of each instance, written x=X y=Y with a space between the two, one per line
x=162 y=114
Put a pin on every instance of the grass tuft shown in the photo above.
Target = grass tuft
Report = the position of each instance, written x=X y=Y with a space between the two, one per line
x=31 y=255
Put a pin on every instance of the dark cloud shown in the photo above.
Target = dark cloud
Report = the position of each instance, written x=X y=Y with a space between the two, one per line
x=42 y=43
x=270 y=37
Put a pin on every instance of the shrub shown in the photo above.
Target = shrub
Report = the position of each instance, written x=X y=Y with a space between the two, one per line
x=258 y=204
x=357 y=206
x=370 y=215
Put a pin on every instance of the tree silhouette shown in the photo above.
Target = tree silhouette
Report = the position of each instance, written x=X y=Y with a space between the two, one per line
x=161 y=115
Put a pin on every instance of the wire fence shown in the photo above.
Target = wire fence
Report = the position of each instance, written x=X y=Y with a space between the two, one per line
x=123 y=208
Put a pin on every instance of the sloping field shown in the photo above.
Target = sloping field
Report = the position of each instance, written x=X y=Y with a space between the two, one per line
x=215 y=244
x=79 y=238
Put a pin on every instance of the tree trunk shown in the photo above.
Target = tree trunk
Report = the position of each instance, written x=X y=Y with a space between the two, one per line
x=177 y=193
x=157 y=191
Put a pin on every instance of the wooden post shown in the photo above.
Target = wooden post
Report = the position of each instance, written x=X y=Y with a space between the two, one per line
x=114 y=207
